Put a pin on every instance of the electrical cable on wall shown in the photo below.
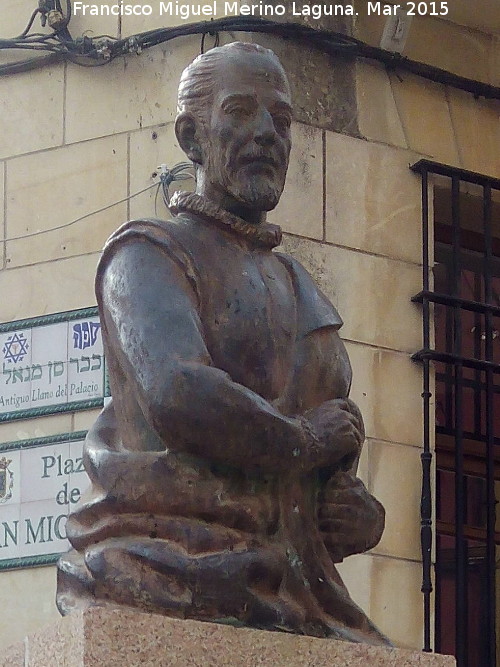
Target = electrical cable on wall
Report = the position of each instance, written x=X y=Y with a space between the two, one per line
x=166 y=176
x=79 y=219
x=103 y=49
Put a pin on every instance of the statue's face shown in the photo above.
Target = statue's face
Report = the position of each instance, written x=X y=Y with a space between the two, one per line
x=249 y=131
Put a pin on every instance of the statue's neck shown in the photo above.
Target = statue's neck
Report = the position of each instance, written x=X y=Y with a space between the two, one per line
x=264 y=235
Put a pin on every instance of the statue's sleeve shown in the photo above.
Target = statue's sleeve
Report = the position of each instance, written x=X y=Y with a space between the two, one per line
x=152 y=329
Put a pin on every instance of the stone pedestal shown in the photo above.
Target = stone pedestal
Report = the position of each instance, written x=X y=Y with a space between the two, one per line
x=117 y=638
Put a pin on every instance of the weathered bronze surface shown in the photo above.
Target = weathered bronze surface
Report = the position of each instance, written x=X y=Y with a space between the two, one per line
x=223 y=472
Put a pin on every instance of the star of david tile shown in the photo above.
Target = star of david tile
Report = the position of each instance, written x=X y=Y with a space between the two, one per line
x=15 y=348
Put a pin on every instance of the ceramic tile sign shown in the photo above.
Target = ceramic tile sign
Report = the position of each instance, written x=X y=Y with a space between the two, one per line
x=41 y=482
x=51 y=364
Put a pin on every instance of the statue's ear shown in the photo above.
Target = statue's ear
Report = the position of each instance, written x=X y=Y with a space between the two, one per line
x=186 y=127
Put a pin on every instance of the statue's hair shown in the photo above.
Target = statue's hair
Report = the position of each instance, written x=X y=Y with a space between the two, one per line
x=196 y=84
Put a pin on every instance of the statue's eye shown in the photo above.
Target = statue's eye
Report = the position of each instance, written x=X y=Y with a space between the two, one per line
x=239 y=111
x=282 y=122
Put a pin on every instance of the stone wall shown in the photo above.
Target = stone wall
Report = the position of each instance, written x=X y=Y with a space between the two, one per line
x=75 y=140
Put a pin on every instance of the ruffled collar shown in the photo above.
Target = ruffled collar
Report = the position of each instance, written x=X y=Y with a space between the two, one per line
x=264 y=235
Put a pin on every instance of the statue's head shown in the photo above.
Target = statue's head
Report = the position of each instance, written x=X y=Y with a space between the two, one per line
x=234 y=124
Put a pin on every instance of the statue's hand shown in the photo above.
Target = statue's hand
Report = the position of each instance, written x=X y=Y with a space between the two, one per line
x=339 y=428
x=350 y=519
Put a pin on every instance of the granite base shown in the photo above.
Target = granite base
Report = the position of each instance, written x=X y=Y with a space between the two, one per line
x=102 y=637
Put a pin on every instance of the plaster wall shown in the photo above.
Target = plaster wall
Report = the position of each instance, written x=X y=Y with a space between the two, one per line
x=75 y=140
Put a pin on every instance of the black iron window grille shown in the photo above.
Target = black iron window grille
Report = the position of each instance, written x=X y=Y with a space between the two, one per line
x=461 y=366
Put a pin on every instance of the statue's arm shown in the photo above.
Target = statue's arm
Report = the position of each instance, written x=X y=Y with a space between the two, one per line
x=153 y=327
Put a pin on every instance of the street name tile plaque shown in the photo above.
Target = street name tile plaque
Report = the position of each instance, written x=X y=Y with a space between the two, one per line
x=41 y=481
x=51 y=364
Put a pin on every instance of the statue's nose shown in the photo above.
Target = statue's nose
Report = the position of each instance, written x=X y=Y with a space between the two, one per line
x=265 y=132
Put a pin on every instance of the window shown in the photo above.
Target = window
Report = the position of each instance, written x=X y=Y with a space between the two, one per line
x=461 y=353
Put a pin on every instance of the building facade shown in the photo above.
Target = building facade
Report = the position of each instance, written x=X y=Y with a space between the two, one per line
x=81 y=140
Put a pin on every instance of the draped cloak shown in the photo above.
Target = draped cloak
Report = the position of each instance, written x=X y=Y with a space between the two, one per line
x=197 y=508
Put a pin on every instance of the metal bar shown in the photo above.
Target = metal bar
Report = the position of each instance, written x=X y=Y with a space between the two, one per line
x=478 y=349
x=449 y=387
x=448 y=376
x=431 y=167
x=450 y=300
x=460 y=498
x=490 y=437
x=426 y=456
x=449 y=358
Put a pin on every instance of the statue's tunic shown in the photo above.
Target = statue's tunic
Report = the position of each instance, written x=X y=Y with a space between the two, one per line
x=199 y=506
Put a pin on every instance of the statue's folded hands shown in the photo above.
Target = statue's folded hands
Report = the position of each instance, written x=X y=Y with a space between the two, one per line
x=351 y=520
x=340 y=430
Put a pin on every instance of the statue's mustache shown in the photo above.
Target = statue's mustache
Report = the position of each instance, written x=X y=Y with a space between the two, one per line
x=274 y=158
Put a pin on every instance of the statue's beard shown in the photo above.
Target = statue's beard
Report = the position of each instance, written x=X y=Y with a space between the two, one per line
x=259 y=192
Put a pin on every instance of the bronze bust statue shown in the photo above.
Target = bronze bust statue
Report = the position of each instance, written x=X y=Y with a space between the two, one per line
x=223 y=471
